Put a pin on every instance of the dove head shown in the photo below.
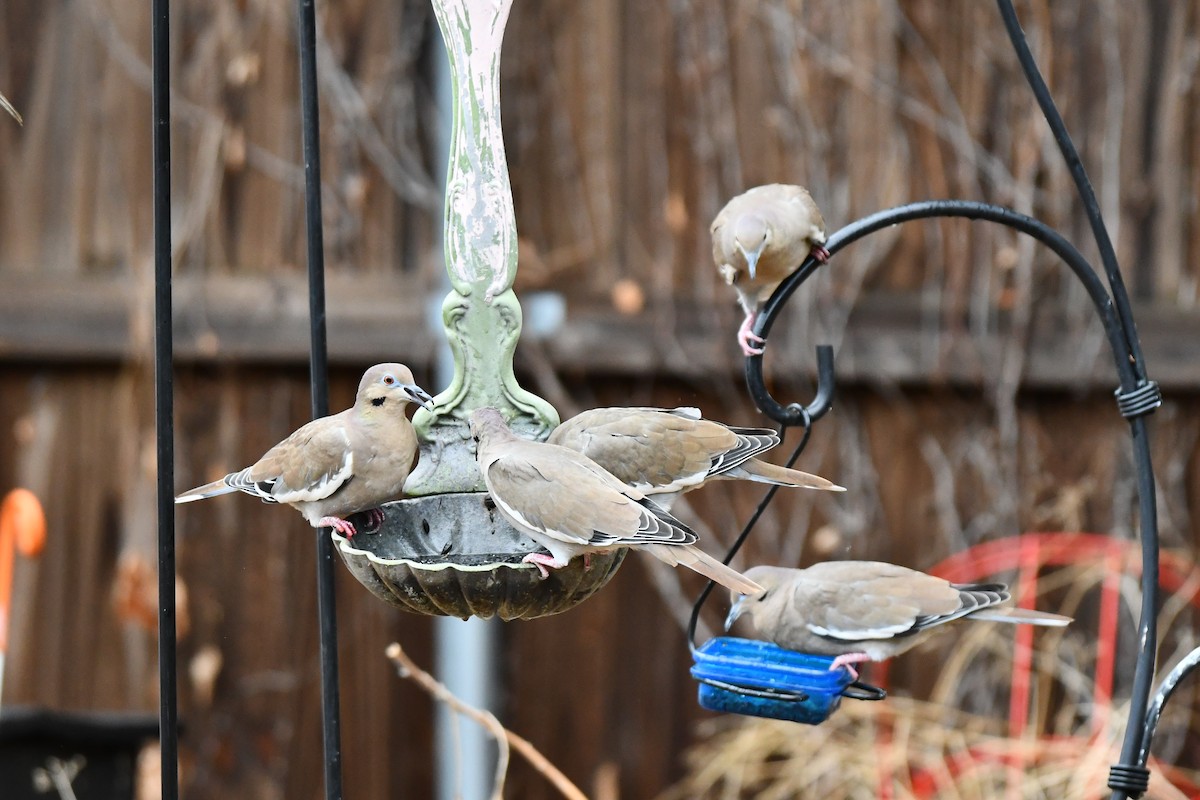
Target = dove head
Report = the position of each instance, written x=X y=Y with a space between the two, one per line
x=751 y=233
x=750 y=611
x=487 y=422
x=489 y=430
x=389 y=388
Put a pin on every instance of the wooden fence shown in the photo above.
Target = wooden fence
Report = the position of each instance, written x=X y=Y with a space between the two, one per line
x=974 y=386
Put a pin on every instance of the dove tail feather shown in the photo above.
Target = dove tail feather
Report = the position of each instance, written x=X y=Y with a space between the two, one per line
x=699 y=561
x=213 y=489
x=1022 y=616
x=766 y=472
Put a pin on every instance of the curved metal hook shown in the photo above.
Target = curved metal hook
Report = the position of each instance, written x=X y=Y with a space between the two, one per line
x=1181 y=671
x=794 y=414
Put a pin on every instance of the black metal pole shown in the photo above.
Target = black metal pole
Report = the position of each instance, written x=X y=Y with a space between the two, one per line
x=1091 y=206
x=1129 y=776
x=318 y=377
x=168 y=721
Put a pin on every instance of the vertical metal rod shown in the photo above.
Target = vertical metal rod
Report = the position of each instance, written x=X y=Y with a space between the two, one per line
x=331 y=722
x=168 y=722
x=1143 y=676
x=1083 y=186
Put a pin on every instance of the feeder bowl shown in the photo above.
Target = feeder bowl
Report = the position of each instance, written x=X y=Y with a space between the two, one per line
x=453 y=555
x=760 y=679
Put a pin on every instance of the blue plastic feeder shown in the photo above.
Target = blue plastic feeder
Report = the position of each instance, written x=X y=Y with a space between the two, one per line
x=760 y=679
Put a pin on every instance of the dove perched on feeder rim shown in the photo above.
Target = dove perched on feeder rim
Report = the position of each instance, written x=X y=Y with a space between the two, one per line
x=339 y=465
x=758 y=239
x=567 y=503
x=666 y=452
x=864 y=610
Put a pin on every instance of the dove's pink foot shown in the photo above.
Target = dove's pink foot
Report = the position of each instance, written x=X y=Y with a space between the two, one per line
x=541 y=561
x=819 y=253
x=587 y=561
x=848 y=660
x=747 y=339
x=342 y=526
x=375 y=517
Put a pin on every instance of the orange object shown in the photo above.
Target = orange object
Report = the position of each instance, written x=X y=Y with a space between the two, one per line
x=23 y=528
x=23 y=512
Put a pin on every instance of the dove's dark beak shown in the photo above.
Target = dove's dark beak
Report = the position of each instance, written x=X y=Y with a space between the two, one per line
x=419 y=396
x=752 y=261
x=734 y=612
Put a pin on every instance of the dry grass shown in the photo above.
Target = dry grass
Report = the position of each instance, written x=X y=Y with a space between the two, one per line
x=901 y=748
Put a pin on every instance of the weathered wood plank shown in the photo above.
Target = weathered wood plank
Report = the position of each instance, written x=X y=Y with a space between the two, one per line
x=889 y=339
x=223 y=319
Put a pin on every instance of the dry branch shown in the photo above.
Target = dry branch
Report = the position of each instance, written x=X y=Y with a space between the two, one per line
x=7 y=106
x=503 y=736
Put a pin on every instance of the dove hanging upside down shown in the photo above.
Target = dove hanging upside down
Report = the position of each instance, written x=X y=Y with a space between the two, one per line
x=568 y=504
x=864 y=610
x=666 y=452
x=758 y=239
x=339 y=465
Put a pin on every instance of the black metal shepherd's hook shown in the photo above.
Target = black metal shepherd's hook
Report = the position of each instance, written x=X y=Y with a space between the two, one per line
x=164 y=401
x=1137 y=396
x=331 y=719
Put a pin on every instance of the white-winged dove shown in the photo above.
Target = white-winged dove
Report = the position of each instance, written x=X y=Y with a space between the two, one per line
x=864 y=610
x=758 y=239
x=339 y=465
x=567 y=503
x=666 y=452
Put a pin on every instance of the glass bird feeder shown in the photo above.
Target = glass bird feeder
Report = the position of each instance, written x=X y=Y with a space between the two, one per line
x=444 y=550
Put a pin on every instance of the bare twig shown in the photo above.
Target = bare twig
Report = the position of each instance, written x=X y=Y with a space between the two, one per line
x=401 y=168
x=503 y=736
x=946 y=128
x=281 y=169
x=7 y=106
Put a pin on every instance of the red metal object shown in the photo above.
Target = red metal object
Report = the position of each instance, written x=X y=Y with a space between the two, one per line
x=1106 y=641
x=1028 y=554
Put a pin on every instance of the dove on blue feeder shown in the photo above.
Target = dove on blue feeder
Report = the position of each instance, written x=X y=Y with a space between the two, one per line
x=864 y=610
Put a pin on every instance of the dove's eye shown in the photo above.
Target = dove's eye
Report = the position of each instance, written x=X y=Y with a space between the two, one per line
x=389 y=380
